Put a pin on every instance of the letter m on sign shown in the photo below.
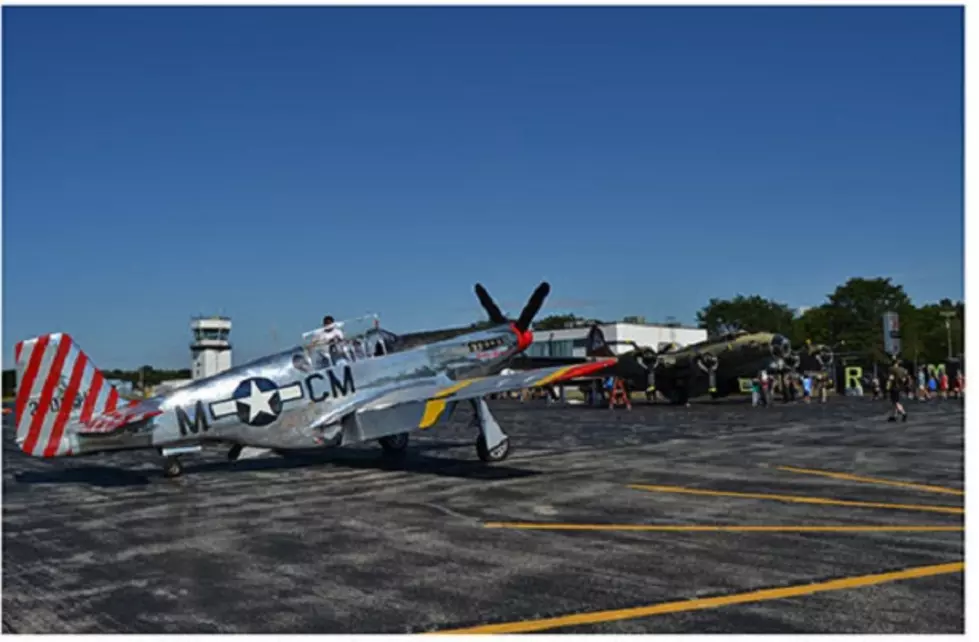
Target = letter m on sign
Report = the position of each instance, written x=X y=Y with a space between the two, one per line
x=200 y=420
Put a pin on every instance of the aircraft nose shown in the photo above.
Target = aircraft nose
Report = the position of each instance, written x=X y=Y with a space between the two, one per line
x=524 y=337
x=781 y=347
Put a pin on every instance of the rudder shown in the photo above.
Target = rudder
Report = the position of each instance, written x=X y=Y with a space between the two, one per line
x=56 y=383
x=596 y=345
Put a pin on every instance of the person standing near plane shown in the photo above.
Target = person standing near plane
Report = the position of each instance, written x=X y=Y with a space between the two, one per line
x=895 y=379
x=755 y=392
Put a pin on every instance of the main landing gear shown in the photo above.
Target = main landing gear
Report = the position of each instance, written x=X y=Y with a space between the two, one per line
x=492 y=445
x=394 y=444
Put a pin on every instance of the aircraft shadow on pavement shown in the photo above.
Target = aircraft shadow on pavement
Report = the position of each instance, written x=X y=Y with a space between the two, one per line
x=101 y=476
x=413 y=460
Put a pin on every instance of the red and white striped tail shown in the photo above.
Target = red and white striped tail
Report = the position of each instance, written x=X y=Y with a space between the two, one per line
x=57 y=384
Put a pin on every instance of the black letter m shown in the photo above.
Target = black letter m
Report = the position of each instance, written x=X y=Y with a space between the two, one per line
x=200 y=420
x=344 y=388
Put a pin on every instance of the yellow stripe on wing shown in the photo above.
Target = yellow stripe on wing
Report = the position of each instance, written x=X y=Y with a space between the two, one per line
x=436 y=406
x=553 y=376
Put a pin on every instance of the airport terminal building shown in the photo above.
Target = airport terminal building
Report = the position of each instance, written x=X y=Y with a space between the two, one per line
x=570 y=342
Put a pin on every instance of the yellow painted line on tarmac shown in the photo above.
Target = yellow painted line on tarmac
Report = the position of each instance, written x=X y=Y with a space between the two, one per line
x=800 y=499
x=732 y=528
x=872 y=480
x=597 y=617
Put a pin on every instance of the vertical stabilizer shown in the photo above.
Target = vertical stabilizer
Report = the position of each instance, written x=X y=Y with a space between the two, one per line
x=56 y=384
x=596 y=345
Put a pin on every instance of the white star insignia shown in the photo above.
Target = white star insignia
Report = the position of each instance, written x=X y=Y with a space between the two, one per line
x=258 y=401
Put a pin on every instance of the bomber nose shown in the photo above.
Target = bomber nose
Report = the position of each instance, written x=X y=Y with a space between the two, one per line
x=781 y=347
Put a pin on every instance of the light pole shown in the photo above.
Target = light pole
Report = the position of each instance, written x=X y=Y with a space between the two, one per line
x=949 y=315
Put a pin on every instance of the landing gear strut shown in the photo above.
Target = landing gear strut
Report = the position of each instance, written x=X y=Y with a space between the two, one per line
x=492 y=445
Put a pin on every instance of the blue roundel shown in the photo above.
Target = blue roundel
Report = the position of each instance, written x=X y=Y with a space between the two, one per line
x=257 y=401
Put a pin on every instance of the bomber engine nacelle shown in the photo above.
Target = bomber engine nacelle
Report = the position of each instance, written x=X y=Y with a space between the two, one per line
x=812 y=357
x=780 y=347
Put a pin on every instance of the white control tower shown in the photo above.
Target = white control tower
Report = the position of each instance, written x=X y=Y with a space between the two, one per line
x=211 y=350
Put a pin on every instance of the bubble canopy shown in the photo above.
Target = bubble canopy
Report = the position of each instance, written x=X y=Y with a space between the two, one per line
x=363 y=338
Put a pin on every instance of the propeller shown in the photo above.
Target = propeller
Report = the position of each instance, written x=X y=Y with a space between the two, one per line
x=533 y=306
x=521 y=327
x=489 y=305
x=526 y=315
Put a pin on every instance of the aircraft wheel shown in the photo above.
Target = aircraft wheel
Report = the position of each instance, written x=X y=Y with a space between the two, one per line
x=498 y=454
x=394 y=444
x=172 y=467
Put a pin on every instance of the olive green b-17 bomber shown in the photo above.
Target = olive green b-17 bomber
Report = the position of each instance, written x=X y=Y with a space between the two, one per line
x=713 y=367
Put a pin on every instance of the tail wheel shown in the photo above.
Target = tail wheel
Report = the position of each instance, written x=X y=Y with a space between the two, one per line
x=172 y=467
x=394 y=444
x=497 y=454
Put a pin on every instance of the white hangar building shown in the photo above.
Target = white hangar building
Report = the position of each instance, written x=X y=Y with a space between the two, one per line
x=571 y=342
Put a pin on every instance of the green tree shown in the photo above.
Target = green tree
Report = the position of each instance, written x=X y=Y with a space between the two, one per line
x=930 y=323
x=857 y=313
x=815 y=325
x=9 y=382
x=753 y=314
x=556 y=322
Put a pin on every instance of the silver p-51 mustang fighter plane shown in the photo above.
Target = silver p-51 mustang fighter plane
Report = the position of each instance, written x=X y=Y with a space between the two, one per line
x=361 y=387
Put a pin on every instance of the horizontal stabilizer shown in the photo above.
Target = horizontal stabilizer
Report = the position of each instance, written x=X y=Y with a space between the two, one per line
x=111 y=421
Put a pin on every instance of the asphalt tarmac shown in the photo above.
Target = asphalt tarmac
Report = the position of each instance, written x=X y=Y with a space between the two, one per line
x=438 y=541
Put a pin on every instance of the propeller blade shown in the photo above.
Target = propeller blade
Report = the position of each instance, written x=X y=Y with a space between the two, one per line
x=489 y=305
x=533 y=306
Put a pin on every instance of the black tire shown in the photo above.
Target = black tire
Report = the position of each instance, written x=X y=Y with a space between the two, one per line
x=394 y=444
x=498 y=454
x=172 y=468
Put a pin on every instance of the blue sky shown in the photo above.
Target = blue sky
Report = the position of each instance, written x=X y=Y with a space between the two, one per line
x=279 y=164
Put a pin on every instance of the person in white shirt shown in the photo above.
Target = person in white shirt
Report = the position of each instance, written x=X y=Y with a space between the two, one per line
x=326 y=338
x=329 y=333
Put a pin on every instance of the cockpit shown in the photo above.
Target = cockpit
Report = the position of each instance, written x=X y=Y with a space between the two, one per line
x=362 y=338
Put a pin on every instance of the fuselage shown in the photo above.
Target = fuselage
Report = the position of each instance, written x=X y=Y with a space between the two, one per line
x=731 y=357
x=285 y=400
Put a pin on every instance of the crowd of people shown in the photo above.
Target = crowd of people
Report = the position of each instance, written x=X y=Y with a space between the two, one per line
x=789 y=386
x=923 y=386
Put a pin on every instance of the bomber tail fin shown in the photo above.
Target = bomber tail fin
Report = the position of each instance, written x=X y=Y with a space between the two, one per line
x=596 y=344
x=57 y=384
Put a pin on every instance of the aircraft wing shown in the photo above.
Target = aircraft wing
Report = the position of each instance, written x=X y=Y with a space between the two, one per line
x=426 y=405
